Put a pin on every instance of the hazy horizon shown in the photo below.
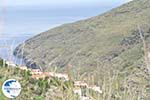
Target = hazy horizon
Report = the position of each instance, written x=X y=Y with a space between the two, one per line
x=30 y=17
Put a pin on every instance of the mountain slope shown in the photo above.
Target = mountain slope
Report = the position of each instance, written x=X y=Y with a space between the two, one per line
x=112 y=36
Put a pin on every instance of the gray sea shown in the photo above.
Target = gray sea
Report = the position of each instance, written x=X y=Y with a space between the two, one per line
x=22 y=23
x=7 y=45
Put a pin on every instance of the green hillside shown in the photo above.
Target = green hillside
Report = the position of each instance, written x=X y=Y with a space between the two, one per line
x=33 y=89
x=86 y=42
x=114 y=85
x=106 y=50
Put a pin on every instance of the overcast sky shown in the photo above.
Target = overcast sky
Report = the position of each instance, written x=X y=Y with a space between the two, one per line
x=61 y=2
x=34 y=16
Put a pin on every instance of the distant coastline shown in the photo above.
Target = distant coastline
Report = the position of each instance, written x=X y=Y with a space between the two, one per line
x=8 y=44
